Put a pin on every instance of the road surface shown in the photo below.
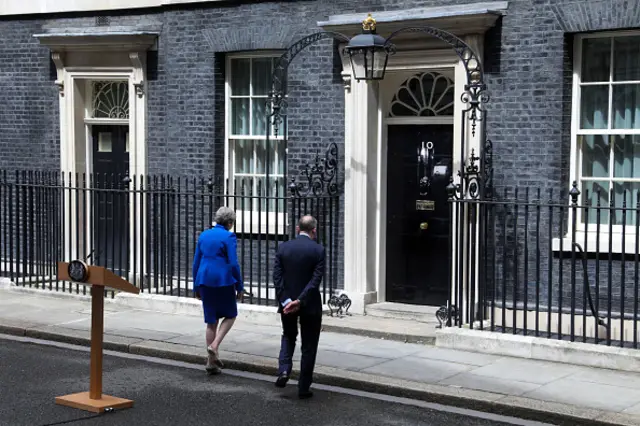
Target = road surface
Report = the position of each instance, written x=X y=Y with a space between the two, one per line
x=173 y=393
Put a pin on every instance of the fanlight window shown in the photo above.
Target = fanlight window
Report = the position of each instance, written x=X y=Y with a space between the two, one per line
x=428 y=94
x=110 y=99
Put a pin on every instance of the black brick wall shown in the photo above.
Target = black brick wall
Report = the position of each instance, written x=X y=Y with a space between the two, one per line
x=29 y=122
x=528 y=58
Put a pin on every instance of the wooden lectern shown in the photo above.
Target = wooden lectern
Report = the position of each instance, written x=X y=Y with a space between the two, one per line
x=99 y=278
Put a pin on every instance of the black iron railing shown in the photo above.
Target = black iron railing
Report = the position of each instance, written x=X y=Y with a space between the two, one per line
x=539 y=263
x=145 y=228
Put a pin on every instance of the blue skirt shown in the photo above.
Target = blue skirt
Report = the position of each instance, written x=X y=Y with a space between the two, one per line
x=218 y=302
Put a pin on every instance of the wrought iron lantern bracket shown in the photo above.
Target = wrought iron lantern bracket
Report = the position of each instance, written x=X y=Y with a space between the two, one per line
x=277 y=99
x=475 y=90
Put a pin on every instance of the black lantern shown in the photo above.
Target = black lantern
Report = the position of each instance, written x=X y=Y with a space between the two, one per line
x=368 y=52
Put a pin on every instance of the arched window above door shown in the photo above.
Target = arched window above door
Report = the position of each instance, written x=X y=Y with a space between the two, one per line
x=428 y=94
x=110 y=99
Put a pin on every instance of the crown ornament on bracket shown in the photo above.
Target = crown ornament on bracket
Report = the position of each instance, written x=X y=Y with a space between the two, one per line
x=368 y=52
x=369 y=24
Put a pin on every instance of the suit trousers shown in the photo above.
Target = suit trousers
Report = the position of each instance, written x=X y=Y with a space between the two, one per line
x=310 y=325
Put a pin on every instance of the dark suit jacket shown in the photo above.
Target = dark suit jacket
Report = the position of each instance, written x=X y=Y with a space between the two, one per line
x=298 y=272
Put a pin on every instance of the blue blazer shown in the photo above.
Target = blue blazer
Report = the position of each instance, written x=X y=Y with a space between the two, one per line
x=215 y=263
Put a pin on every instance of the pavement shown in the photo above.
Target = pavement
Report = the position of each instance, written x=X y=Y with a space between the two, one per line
x=552 y=392
x=175 y=394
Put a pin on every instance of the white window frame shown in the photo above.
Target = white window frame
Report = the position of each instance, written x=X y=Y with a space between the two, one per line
x=576 y=163
x=245 y=221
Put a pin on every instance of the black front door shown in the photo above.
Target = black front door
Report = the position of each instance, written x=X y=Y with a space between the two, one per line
x=419 y=160
x=110 y=199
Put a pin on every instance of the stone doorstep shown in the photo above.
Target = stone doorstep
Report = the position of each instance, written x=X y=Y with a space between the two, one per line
x=529 y=347
x=381 y=328
x=401 y=311
x=524 y=408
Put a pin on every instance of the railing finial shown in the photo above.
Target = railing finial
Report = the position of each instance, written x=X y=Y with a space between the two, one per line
x=574 y=193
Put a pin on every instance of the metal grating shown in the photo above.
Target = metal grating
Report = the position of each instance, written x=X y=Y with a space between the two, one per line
x=102 y=21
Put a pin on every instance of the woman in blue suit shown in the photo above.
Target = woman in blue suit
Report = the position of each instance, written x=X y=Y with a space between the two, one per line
x=217 y=282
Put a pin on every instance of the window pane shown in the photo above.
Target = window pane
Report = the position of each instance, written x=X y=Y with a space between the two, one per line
x=626 y=60
x=257 y=187
x=261 y=76
x=625 y=194
x=594 y=107
x=626 y=108
x=110 y=99
x=240 y=70
x=239 y=116
x=259 y=120
x=276 y=159
x=243 y=155
x=595 y=155
x=268 y=196
x=281 y=156
x=596 y=59
x=277 y=193
x=104 y=142
x=261 y=158
x=242 y=187
x=261 y=189
x=626 y=156
x=596 y=194
x=250 y=189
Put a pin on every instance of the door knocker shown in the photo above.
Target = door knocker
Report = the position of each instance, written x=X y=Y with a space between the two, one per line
x=425 y=167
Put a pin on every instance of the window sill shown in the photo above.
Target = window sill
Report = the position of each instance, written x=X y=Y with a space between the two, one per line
x=595 y=246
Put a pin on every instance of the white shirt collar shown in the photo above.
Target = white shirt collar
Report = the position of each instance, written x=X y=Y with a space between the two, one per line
x=305 y=234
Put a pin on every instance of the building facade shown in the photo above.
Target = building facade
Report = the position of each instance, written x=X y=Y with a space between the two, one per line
x=150 y=87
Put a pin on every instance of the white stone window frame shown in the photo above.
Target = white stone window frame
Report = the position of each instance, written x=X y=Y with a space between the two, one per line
x=588 y=232
x=247 y=222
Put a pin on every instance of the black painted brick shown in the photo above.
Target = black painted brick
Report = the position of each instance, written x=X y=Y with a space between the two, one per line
x=528 y=74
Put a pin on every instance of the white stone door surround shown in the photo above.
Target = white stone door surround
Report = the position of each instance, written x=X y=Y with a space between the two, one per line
x=366 y=110
x=366 y=123
x=80 y=58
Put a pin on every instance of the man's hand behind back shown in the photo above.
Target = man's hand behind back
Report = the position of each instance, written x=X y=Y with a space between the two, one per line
x=292 y=307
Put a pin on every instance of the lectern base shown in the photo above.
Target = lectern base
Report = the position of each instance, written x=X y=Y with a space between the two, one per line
x=83 y=402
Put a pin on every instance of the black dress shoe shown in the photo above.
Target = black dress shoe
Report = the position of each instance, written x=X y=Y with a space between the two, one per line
x=282 y=380
x=305 y=395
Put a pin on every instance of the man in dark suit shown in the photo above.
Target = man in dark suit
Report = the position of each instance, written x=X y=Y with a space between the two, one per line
x=297 y=274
